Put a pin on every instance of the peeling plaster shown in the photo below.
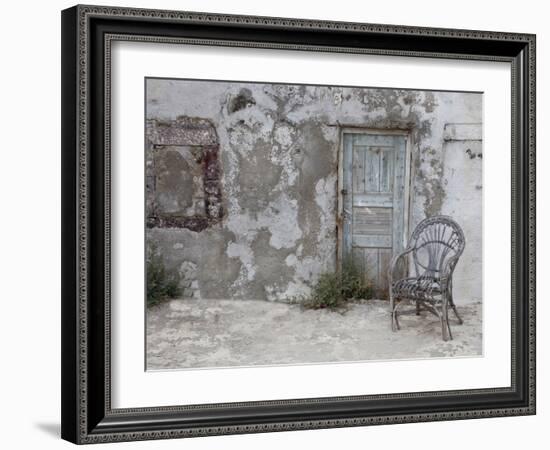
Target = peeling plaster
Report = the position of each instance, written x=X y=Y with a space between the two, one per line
x=244 y=253
x=278 y=154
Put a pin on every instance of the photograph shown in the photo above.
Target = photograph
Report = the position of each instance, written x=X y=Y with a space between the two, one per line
x=292 y=224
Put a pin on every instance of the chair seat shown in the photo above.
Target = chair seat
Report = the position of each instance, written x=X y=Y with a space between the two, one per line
x=422 y=288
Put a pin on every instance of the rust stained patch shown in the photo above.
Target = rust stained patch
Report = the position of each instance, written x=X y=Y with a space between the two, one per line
x=199 y=134
x=196 y=223
x=190 y=131
x=212 y=184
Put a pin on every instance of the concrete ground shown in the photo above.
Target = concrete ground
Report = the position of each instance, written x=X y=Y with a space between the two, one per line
x=224 y=333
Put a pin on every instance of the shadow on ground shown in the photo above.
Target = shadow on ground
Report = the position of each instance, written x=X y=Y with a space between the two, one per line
x=52 y=429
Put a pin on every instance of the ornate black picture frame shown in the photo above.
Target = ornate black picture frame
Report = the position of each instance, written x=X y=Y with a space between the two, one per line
x=87 y=34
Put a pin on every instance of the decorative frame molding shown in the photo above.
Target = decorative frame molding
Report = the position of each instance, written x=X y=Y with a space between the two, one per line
x=87 y=34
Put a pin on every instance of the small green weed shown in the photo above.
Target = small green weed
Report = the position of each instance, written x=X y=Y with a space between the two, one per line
x=161 y=283
x=334 y=289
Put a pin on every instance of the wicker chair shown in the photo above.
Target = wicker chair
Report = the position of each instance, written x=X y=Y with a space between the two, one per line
x=436 y=245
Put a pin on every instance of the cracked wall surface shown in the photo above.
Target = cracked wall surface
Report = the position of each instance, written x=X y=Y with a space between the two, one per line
x=272 y=227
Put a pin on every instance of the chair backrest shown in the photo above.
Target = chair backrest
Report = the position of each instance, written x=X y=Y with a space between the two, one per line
x=434 y=241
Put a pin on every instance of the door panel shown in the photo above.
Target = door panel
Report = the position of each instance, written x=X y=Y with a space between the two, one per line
x=358 y=170
x=372 y=174
x=373 y=203
x=371 y=263
x=373 y=199
x=372 y=220
x=369 y=241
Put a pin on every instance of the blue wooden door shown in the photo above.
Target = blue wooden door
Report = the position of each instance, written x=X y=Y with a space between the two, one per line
x=373 y=203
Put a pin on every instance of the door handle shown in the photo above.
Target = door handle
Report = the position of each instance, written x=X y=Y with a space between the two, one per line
x=344 y=192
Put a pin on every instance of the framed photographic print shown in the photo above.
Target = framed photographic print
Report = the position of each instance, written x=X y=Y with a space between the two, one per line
x=277 y=224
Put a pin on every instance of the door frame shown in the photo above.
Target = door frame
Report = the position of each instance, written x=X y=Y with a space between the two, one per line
x=340 y=184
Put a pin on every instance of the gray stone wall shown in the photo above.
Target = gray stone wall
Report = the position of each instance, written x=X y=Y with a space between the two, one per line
x=255 y=213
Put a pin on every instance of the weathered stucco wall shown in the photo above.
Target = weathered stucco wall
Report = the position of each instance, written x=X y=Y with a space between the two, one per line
x=260 y=195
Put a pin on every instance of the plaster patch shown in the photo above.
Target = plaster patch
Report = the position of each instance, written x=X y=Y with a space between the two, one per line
x=245 y=254
x=283 y=135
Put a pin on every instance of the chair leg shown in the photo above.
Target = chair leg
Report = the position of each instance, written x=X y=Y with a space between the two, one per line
x=444 y=328
x=393 y=307
x=417 y=308
x=460 y=321
x=452 y=304
x=444 y=317
x=396 y=321
x=448 y=324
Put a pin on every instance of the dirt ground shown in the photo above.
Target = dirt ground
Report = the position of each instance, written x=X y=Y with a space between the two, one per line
x=224 y=333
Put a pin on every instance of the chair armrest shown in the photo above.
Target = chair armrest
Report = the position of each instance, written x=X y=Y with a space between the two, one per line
x=448 y=269
x=394 y=262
